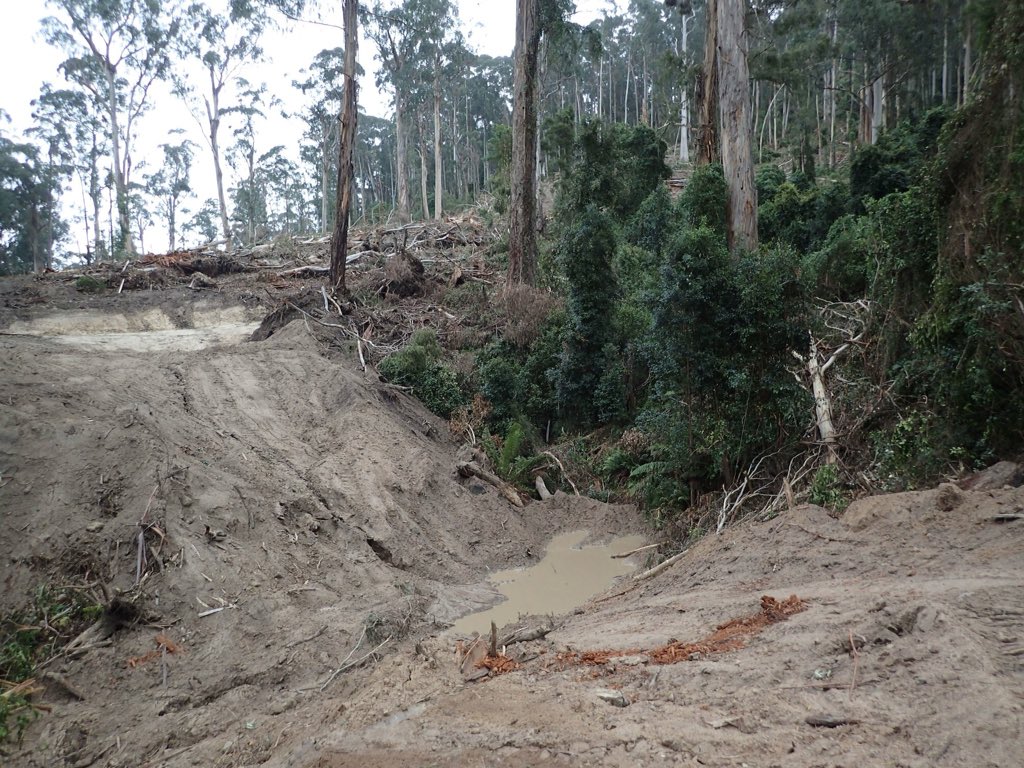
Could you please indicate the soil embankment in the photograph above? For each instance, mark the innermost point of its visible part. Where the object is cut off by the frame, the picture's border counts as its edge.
(306, 542)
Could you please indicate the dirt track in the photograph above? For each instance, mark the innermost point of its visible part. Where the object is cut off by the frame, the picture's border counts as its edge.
(337, 522)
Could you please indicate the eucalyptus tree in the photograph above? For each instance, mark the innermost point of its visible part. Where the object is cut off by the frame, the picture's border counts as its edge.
(250, 195)
(533, 19)
(116, 50)
(169, 183)
(66, 122)
(323, 84)
(395, 42)
(222, 43)
(29, 221)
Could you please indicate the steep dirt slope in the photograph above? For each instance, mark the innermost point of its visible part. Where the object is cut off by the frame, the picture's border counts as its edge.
(317, 507)
(927, 587)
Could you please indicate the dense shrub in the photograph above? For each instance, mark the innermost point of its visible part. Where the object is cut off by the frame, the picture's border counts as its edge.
(721, 334)
(703, 201)
(585, 253)
(614, 167)
(418, 365)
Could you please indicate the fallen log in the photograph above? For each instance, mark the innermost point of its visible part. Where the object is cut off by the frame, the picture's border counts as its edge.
(472, 469)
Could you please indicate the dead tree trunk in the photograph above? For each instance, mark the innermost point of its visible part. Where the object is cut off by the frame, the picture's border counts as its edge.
(347, 140)
(522, 242)
(735, 125)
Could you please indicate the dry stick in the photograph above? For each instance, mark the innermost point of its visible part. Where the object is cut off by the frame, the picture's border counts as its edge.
(639, 549)
(140, 558)
(353, 663)
(856, 658)
(327, 308)
(314, 636)
(564, 473)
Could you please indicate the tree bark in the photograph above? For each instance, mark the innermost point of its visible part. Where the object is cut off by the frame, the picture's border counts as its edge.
(438, 168)
(424, 197)
(213, 114)
(346, 141)
(120, 183)
(522, 252)
(735, 123)
(402, 158)
(707, 139)
(684, 107)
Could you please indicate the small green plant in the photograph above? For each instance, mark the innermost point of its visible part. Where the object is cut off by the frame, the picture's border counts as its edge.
(27, 638)
(827, 489)
(87, 284)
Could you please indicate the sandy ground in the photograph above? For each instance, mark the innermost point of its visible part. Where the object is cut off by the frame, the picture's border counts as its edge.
(320, 510)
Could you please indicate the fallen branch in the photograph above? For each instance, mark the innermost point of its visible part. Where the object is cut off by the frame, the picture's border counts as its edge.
(651, 573)
(314, 636)
(542, 489)
(472, 469)
(564, 473)
(354, 663)
(638, 549)
(526, 635)
(63, 683)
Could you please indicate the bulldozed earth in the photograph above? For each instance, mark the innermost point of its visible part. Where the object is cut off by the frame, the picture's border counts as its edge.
(278, 543)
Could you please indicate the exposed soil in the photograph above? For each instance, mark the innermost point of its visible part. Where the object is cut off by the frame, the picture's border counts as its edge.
(319, 509)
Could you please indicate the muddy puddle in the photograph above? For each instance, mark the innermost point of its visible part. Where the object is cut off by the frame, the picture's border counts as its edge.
(567, 577)
(150, 331)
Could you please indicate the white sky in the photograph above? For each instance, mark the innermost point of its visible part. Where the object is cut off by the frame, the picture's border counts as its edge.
(27, 62)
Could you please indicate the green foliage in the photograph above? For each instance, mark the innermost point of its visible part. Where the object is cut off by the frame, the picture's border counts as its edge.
(28, 208)
(767, 180)
(585, 253)
(418, 365)
(703, 202)
(88, 284)
(827, 489)
(721, 333)
(651, 227)
(800, 217)
(499, 154)
(520, 382)
(614, 167)
(896, 161)
(31, 636)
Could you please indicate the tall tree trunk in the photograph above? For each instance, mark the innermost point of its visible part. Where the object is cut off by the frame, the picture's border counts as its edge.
(96, 195)
(707, 140)
(213, 116)
(945, 60)
(967, 59)
(423, 177)
(684, 107)
(325, 189)
(120, 183)
(522, 251)
(438, 168)
(346, 143)
(172, 209)
(402, 158)
(734, 116)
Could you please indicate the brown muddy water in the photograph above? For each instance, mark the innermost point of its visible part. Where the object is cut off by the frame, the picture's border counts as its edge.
(567, 577)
